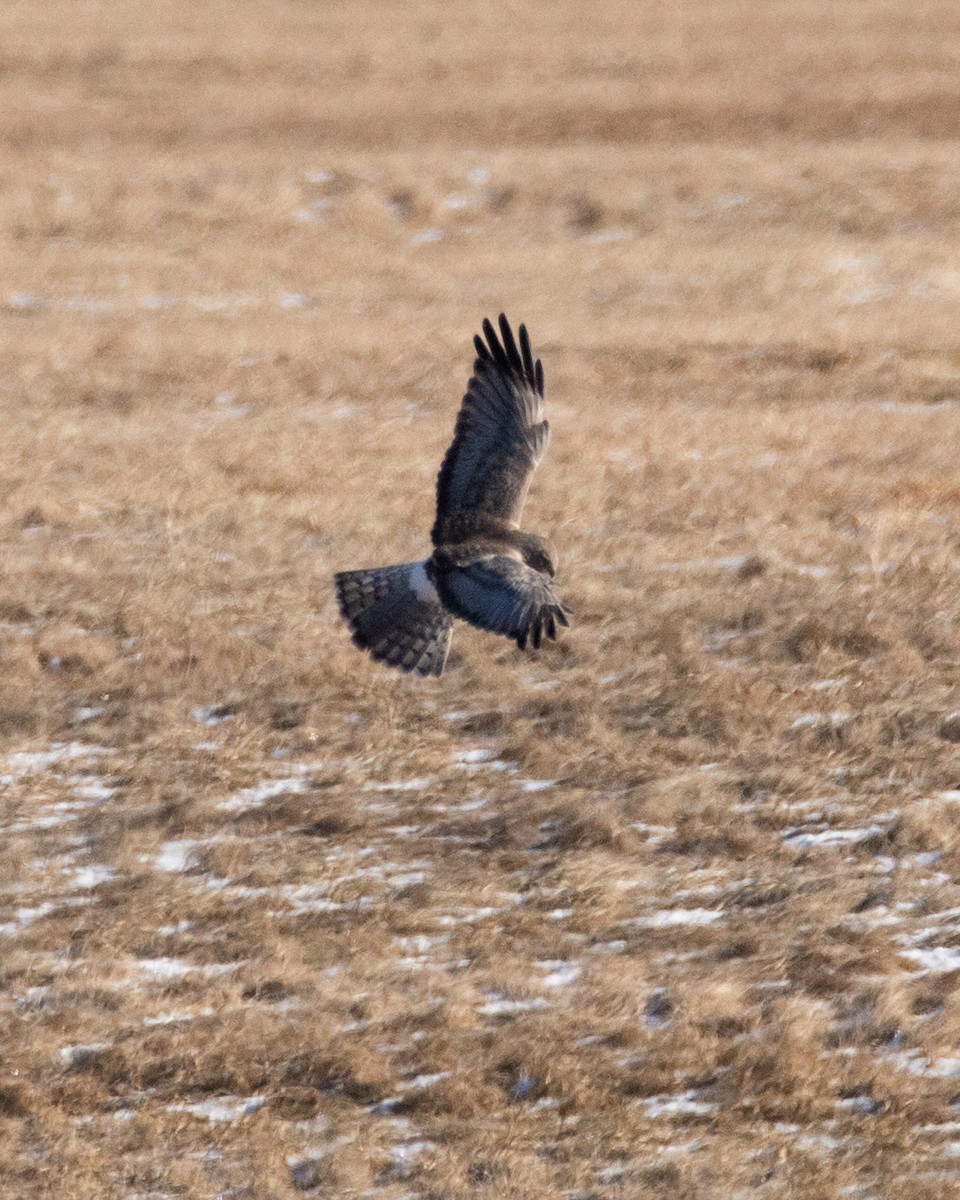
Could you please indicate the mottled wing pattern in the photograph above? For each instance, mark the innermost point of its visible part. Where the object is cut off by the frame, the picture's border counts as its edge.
(391, 614)
(503, 596)
(500, 434)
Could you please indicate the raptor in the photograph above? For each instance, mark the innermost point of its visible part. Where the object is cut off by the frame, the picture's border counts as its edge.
(484, 568)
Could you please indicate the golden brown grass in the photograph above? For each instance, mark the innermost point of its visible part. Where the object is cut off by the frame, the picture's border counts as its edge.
(667, 910)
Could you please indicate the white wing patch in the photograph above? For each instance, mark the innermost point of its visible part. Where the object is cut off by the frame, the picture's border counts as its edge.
(420, 584)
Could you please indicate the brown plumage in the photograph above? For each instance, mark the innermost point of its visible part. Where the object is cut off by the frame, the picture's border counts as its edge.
(484, 568)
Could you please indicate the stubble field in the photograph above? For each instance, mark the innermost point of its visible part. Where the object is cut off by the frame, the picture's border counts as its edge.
(668, 910)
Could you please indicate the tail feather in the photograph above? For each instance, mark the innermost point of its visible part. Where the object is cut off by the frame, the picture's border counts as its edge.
(394, 614)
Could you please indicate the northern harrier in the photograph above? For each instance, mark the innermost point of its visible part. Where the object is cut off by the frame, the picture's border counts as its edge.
(484, 568)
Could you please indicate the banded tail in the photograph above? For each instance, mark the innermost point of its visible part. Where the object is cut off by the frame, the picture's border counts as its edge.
(396, 614)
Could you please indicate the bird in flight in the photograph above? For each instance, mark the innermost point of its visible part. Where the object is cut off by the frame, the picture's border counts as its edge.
(484, 568)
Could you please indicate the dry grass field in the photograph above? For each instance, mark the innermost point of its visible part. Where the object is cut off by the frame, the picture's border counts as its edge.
(669, 910)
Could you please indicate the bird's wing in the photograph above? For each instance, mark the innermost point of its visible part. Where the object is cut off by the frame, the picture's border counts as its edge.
(503, 596)
(500, 434)
(395, 613)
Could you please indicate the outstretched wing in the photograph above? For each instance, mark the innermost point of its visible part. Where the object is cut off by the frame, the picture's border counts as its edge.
(500, 434)
(503, 596)
(395, 613)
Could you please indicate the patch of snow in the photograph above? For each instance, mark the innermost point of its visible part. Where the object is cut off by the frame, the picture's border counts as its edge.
(69, 1055)
(472, 756)
(421, 943)
(91, 876)
(406, 879)
(23, 917)
(214, 714)
(37, 999)
(612, 1173)
(222, 1108)
(176, 855)
(805, 839)
(45, 821)
(32, 762)
(772, 985)
(616, 946)
(169, 930)
(729, 562)
(424, 1081)
(832, 720)
(821, 1143)
(162, 969)
(610, 235)
(559, 972)
(461, 806)
(389, 1105)
(935, 959)
(681, 1147)
(667, 917)
(87, 712)
(862, 1106)
(469, 916)
(654, 834)
(402, 785)
(270, 789)
(173, 1018)
(92, 792)
(682, 1104)
(404, 1152)
(498, 1005)
(307, 898)
(917, 1063)
(481, 758)
(24, 300)
(906, 406)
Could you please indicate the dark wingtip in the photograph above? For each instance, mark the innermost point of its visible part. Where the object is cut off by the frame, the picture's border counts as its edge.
(510, 345)
(496, 352)
(528, 367)
(505, 353)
